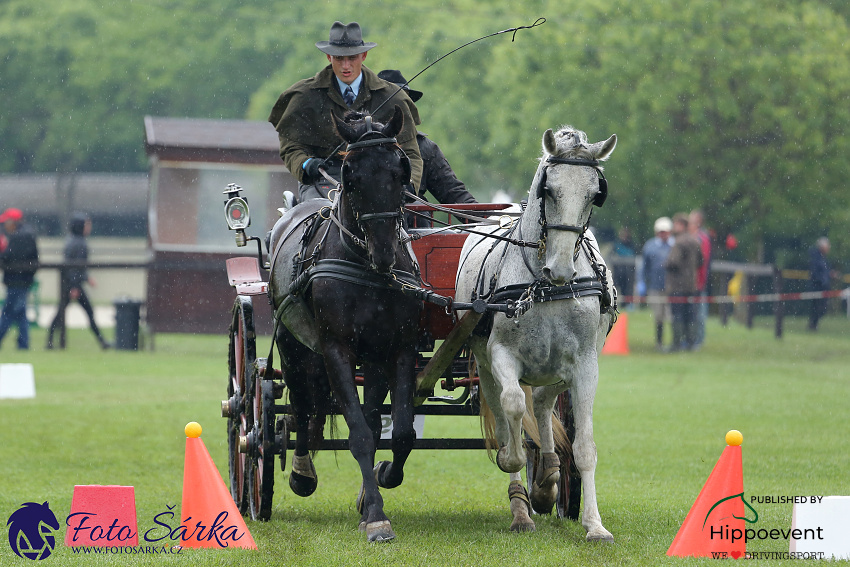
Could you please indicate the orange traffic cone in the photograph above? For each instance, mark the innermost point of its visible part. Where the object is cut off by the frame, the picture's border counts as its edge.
(715, 527)
(209, 516)
(618, 339)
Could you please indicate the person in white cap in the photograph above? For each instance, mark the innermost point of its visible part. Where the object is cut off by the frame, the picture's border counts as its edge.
(652, 276)
(302, 114)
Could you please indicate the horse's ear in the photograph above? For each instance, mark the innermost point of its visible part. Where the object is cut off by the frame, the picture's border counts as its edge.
(549, 145)
(395, 124)
(603, 150)
(345, 131)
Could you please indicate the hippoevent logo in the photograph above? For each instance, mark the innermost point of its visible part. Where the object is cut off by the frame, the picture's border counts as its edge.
(726, 533)
(31, 529)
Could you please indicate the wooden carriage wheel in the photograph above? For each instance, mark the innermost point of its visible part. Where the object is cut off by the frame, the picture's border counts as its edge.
(261, 449)
(241, 358)
(568, 503)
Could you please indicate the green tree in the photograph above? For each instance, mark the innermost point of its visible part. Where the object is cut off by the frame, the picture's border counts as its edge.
(737, 108)
(78, 77)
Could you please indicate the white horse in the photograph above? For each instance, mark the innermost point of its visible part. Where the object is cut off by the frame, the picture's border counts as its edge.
(555, 345)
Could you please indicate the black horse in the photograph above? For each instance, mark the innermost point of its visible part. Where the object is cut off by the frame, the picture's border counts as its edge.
(338, 276)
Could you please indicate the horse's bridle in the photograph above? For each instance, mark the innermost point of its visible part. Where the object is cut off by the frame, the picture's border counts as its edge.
(369, 139)
(598, 200)
(542, 190)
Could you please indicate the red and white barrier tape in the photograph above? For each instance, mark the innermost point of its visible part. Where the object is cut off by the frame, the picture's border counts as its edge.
(765, 297)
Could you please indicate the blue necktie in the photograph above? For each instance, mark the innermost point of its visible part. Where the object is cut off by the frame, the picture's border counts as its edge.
(348, 96)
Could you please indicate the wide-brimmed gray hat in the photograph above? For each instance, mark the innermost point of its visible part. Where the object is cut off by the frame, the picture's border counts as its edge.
(345, 39)
(394, 76)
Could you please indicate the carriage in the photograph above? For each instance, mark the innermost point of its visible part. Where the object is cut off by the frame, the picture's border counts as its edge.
(259, 424)
(366, 225)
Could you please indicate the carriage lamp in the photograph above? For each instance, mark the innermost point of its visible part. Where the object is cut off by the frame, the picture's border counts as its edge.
(236, 213)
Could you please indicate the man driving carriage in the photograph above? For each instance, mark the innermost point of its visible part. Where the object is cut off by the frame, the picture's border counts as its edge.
(302, 118)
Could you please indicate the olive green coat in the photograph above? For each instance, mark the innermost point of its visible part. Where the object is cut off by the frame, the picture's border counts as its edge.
(302, 118)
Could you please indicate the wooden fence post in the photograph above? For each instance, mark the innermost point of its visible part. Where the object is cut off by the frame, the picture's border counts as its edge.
(778, 305)
(725, 308)
(746, 289)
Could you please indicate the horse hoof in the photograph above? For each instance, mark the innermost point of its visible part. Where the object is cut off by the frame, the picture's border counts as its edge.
(381, 473)
(302, 485)
(379, 532)
(507, 467)
(602, 535)
(523, 526)
(542, 498)
(520, 508)
(544, 489)
(543, 503)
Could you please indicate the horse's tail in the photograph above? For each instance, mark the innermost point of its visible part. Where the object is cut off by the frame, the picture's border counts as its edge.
(488, 427)
(487, 421)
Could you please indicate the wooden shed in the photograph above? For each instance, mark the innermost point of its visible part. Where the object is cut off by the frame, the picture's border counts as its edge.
(191, 163)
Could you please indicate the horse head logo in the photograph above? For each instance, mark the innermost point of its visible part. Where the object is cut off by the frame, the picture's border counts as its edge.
(31, 530)
(733, 497)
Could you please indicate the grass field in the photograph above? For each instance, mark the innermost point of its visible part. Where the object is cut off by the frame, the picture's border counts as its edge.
(118, 418)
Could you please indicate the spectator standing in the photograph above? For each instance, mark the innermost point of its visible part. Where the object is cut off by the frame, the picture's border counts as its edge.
(72, 279)
(624, 276)
(695, 221)
(19, 260)
(684, 260)
(819, 276)
(651, 281)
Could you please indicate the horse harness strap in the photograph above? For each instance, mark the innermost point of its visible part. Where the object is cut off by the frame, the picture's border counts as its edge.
(582, 287)
(355, 273)
(350, 272)
(519, 298)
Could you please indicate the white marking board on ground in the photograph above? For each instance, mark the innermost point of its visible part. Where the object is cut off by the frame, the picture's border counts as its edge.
(17, 381)
(829, 524)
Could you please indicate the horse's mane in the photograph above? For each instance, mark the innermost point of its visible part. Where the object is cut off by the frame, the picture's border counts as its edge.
(357, 120)
(572, 143)
(352, 117)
